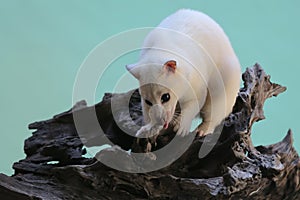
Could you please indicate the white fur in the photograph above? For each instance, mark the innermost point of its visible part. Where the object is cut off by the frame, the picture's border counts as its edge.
(206, 63)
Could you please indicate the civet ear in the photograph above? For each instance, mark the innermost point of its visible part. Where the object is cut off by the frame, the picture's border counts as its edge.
(170, 66)
(134, 70)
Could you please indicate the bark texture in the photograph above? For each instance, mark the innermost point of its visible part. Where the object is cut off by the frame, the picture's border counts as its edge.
(234, 168)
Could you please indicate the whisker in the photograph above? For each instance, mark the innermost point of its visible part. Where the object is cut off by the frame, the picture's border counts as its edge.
(175, 120)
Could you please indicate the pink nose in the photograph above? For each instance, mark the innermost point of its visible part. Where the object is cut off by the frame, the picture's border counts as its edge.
(166, 125)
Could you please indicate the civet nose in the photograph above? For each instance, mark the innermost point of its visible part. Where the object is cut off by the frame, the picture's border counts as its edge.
(156, 114)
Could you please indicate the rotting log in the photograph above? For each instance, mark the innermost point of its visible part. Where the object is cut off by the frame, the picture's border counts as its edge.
(233, 169)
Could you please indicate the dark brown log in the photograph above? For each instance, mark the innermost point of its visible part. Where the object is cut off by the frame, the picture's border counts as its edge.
(233, 169)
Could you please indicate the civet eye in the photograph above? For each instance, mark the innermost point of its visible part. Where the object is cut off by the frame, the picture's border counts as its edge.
(165, 98)
(148, 103)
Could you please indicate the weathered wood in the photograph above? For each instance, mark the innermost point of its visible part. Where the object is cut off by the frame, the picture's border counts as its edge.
(234, 169)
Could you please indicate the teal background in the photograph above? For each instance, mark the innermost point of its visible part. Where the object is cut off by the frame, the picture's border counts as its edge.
(43, 43)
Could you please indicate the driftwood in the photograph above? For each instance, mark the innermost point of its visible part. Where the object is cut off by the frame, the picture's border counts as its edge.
(234, 169)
